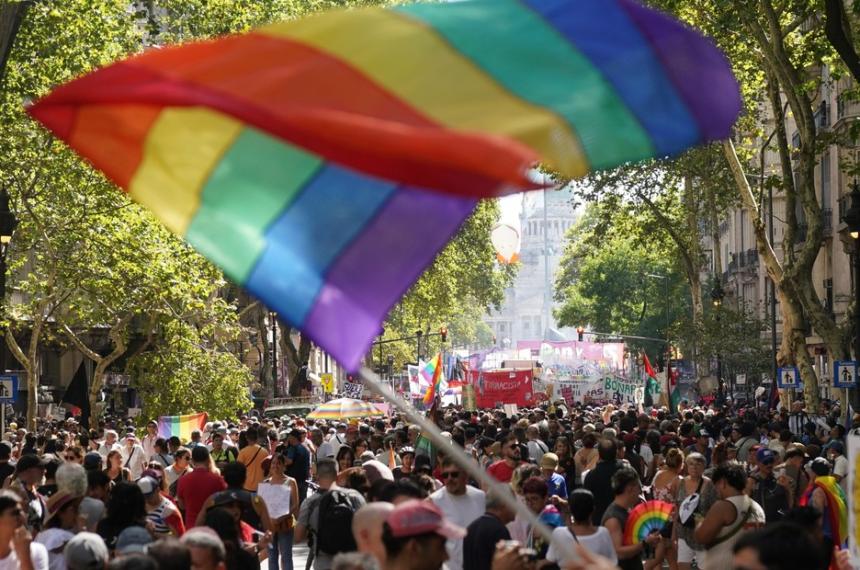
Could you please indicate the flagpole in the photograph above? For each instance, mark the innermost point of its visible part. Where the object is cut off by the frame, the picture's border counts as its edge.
(459, 456)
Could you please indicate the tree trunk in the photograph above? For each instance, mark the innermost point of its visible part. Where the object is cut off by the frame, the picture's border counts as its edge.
(31, 376)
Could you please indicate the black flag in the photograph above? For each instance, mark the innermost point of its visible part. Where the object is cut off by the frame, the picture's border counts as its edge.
(77, 394)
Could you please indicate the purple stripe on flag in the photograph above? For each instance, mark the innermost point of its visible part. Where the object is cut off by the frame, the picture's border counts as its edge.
(374, 271)
(698, 70)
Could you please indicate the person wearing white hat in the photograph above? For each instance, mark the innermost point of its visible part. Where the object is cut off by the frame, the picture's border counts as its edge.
(133, 457)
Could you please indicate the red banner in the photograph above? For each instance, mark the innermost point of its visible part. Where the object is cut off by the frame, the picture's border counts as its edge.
(497, 387)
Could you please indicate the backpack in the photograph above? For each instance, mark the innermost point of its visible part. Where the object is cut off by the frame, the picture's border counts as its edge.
(335, 516)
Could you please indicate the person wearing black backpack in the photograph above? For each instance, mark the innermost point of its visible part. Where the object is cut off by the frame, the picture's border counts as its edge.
(325, 519)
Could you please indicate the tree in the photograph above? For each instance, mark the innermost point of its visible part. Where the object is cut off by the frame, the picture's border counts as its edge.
(772, 52)
(50, 188)
(604, 279)
(188, 371)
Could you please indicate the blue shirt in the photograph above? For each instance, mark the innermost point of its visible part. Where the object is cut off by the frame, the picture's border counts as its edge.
(557, 486)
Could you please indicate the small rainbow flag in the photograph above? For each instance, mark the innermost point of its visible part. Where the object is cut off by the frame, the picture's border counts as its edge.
(432, 371)
(181, 426)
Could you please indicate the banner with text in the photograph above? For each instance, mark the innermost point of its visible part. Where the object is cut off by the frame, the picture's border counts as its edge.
(597, 390)
(498, 387)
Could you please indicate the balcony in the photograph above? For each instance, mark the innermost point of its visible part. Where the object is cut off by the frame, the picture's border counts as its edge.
(752, 257)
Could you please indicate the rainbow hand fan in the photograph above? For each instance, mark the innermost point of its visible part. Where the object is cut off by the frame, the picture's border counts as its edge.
(646, 518)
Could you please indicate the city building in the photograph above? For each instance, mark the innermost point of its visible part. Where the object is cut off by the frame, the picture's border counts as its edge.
(527, 311)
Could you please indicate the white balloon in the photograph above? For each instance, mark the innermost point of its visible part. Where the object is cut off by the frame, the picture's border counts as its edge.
(506, 240)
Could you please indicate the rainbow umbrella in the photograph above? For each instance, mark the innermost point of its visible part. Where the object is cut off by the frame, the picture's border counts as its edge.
(344, 408)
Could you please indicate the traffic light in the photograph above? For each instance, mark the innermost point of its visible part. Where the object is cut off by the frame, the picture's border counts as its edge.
(580, 331)
(443, 332)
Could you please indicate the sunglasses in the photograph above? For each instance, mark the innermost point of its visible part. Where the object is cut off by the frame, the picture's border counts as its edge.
(450, 474)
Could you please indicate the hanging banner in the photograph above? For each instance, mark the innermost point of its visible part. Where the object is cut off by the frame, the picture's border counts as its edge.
(327, 382)
(601, 390)
(499, 387)
(351, 390)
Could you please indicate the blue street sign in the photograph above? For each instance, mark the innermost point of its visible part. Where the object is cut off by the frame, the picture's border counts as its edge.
(788, 378)
(845, 374)
(8, 389)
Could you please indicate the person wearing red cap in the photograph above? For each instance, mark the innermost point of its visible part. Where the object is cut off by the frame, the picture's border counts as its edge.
(414, 536)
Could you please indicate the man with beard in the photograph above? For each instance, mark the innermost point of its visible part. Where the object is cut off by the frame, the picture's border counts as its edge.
(503, 469)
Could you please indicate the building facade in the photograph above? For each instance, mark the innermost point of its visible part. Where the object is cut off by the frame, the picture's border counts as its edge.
(743, 277)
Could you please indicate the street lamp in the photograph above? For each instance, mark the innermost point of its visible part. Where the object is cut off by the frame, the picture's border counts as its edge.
(7, 227)
(580, 331)
(851, 218)
(717, 296)
(418, 335)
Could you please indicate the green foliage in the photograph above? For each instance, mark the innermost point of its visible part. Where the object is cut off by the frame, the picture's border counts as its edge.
(737, 335)
(186, 372)
(604, 285)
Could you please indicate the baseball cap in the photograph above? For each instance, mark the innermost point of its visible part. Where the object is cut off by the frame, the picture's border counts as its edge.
(414, 518)
(86, 551)
(92, 460)
(549, 461)
(765, 456)
(226, 498)
(147, 485)
(133, 539)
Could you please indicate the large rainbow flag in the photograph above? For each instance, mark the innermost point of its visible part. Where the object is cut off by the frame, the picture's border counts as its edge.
(298, 157)
(181, 426)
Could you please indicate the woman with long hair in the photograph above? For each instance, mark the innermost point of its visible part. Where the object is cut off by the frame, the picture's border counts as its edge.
(115, 471)
(16, 549)
(586, 458)
(566, 463)
(60, 527)
(281, 549)
(345, 458)
(126, 507)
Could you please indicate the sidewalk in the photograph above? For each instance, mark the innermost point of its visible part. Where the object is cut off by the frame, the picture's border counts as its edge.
(300, 557)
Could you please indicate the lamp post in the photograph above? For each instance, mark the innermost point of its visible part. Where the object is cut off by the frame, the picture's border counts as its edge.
(418, 335)
(717, 296)
(851, 218)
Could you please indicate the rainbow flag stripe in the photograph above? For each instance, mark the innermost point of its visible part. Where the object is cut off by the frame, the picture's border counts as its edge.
(433, 372)
(181, 426)
(297, 156)
(836, 514)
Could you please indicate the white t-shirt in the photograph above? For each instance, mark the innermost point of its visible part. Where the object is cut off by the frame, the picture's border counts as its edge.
(840, 467)
(38, 554)
(461, 510)
(562, 549)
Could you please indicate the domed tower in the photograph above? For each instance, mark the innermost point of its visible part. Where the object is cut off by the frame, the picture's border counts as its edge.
(527, 310)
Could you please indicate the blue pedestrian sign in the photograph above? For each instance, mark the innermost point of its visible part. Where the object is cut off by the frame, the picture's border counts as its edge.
(845, 374)
(788, 378)
(8, 389)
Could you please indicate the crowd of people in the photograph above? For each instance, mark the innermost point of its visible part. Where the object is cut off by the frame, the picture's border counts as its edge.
(750, 489)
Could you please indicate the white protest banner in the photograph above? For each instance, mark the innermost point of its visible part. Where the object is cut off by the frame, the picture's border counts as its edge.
(276, 497)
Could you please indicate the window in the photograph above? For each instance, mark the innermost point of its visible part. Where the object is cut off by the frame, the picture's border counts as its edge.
(825, 179)
(526, 325)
